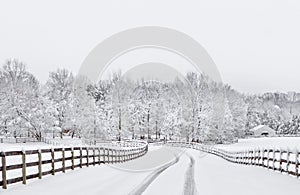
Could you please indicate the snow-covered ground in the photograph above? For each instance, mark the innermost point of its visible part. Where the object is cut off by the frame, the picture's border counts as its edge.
(291, 143)
(104, 179)
(215, 176)
(57, 142)
(25, 146)
(15, 160)
(193, 171)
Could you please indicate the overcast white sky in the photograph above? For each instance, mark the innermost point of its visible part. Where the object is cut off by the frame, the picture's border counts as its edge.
(255, 43)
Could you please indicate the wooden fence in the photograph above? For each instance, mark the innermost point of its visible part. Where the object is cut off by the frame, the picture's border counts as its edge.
(62, 159)
(284, 161)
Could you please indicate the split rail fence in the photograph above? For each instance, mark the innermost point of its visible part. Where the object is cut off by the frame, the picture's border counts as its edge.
(38, 163)
(284, 161)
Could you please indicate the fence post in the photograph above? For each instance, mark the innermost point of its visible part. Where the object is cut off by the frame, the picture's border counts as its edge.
(24, 167)
(108, 156)
(103, 152)
(129, 154)
(112, 155)
(297, 163)
(123, 154)
(118, 156)
(105, 155)
(72, 158)
(87, 156)
(80, 157)
(52, 161)
(125, 157)
(254, 156)
(4, 184)
(40, 163)
(274, 159)
(268, 158)
(133, 153)
(99, 156)
(287, 160)
(94, 162)
(249, 157)
(63, 160)
(263, 157)
(280, 161)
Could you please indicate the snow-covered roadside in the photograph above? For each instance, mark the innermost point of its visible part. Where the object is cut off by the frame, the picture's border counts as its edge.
(215, 176)
(94, 180)
(17, 159)
(97, 180)
(291, 143)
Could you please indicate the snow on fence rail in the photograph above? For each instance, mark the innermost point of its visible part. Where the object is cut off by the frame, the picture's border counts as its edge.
(38, 163)
(132, 143)
(62, 142)
(284, 161)
(17, 139)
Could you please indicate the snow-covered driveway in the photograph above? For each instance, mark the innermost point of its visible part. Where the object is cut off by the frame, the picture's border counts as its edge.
(164, 171)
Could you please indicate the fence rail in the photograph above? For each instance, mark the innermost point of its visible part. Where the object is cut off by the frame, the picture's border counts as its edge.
(17, 139)
(284, 161)
(58, 158)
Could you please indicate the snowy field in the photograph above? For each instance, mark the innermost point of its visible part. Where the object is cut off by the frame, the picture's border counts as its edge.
(58, 143)
(23, 146)
(187, 172)
(291, 143)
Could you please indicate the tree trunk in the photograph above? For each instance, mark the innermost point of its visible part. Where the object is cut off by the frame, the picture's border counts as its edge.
(133, 136)
(156, 132)
(120, 125)
(148, 121)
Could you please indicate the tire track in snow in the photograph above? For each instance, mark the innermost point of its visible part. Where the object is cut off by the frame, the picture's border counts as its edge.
(189, 185)
(145, 184)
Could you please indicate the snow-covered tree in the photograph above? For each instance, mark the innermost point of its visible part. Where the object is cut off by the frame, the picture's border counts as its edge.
(82, 114)
(60, 86)
(21, 102)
